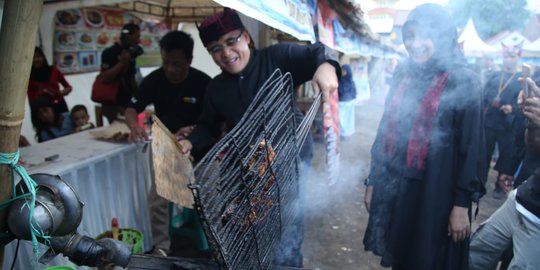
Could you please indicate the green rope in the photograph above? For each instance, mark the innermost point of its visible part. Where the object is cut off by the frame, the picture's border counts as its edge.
(13, 198)
(12, 160)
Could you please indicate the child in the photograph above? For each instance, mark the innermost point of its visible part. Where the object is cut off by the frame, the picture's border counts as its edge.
(47, 122)
(80, 118)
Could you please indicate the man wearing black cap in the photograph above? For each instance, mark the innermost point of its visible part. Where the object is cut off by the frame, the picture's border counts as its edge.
(118, 63)
(244, 71)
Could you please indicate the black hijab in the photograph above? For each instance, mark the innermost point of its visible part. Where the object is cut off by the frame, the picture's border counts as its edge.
(436, 23)
(43, 73)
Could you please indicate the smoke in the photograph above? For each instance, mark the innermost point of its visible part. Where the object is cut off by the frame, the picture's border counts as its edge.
(319, 196)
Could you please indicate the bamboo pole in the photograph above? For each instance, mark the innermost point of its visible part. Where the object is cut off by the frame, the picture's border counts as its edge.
(17, 40)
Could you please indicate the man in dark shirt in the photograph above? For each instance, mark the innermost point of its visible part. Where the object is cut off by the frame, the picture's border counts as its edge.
(118, 63)
(177, 90)
(517, 221)
(244, 71)
(525, 159)
(502, 115)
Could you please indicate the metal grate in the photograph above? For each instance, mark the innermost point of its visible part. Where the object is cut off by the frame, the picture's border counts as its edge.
(247, 184)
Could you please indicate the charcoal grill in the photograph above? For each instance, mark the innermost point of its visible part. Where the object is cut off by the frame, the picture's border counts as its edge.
(247, 184)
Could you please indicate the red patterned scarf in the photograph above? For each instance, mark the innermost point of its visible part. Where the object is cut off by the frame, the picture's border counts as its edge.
(418, 144)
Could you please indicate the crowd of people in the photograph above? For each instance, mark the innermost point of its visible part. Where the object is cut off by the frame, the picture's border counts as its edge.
(431, 156)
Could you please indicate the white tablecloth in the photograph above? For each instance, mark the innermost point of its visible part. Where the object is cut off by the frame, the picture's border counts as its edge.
(111, 179)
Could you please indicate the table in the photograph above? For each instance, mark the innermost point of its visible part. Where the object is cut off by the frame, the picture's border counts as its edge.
(111, 179)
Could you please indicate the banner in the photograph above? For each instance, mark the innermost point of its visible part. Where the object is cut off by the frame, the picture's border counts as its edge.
(325, 26)
(332, 136)
(345, 41)
(289, 16)
(361, 80)
(82, 34)
(308, 20)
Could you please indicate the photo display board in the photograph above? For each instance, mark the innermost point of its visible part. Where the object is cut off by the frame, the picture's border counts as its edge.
(81, 35)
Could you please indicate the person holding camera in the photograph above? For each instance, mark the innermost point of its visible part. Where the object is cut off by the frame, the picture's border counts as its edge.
(118, 63)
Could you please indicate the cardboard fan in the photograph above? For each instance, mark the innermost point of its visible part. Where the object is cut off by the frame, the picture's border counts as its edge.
(172, 169)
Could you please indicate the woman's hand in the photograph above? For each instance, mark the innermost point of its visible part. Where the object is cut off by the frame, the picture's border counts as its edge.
(459, 226)
(367, 197)
(66, 91)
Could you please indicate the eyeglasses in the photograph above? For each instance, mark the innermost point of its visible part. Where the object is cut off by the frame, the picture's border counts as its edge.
(228, 43)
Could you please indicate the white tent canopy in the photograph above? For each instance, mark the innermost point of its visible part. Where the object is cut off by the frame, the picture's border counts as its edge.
(532, 47)
(472, 44)
(529, 49)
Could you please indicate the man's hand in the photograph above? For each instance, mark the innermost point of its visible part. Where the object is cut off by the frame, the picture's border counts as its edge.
(521, 100)
(506, 182)
(183, 132)
(531, 110)
(325, 80)
(186, 146)
(459, 226)
(367, 197)
(506, 109)
(534, 90)
(530, 104)
(137, 134)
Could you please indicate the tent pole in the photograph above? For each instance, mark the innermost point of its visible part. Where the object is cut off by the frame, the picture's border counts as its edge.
(17, 40)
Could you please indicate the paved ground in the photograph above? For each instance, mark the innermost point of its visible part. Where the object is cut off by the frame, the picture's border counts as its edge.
(336, 217)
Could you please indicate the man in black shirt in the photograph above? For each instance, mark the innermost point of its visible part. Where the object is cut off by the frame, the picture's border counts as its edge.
(177, 90)
(118, 63)
(525, 159)
(244, 71)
